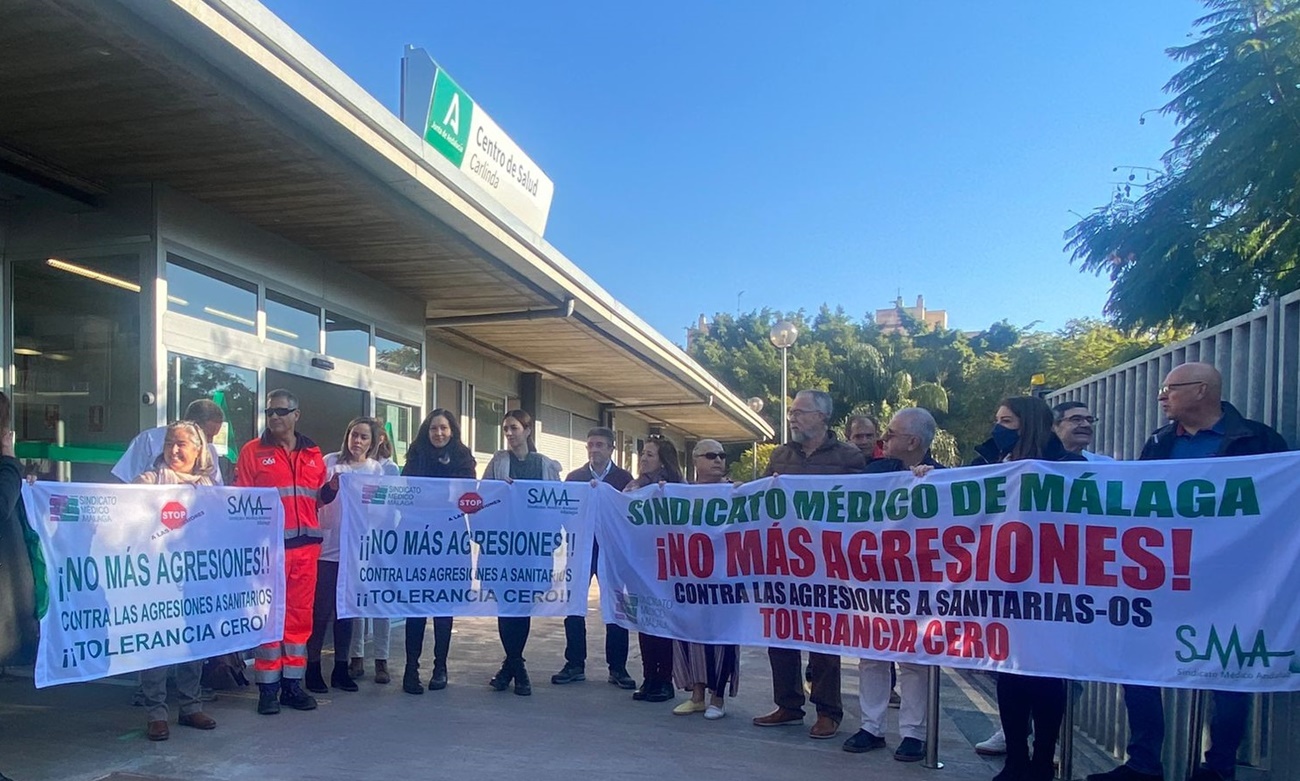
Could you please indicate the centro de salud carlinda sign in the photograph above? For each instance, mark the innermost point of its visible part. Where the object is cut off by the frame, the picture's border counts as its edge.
(445, 116)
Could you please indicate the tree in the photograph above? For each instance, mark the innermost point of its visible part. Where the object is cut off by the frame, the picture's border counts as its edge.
(1217, 232)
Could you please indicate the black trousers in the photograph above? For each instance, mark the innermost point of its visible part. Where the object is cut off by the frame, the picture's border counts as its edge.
(514, 636)
(575, 643)
(656, 658)
(415, 640)
(324, 611)
(1023, 699)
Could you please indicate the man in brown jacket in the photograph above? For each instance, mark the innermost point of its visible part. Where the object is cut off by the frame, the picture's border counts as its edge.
(813, 449)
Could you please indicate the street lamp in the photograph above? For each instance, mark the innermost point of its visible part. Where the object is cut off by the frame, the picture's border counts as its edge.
(783, 335)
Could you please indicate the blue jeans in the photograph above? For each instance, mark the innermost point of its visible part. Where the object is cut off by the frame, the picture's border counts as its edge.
(1146, 724)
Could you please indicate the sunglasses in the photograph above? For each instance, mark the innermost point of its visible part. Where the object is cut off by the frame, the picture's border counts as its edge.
(714, 456)
(279, 412)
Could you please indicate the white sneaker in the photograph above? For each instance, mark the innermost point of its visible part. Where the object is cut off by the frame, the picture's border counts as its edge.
(994, 746)
(714, 712)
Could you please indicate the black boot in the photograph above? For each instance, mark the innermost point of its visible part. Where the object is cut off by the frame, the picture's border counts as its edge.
(291, 694)
(268, 698)
(501, 681)
(315, 682)
(1016, 767)
(340, 679)
(439, 678)
(411, 680)
(523, 686)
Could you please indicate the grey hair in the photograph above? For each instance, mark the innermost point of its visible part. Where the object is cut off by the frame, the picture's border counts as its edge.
(706, 446)
(281, 393)
(821, 400)
(918, 422)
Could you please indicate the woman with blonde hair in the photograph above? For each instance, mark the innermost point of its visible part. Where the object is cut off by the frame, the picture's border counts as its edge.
(185, 460)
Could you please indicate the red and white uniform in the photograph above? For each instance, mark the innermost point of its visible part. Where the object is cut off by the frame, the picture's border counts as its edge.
(298, 476)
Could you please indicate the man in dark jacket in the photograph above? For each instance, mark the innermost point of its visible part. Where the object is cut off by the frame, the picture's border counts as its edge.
(600, 467)
(1201, 425)
(812, 450)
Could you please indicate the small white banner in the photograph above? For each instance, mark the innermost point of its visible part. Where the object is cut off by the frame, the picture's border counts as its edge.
(144, 576)
(417, 546)
(1169, 573)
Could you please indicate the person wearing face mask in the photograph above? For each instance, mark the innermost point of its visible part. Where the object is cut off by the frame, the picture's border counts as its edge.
(436, 451)
(356, 456)
(519, 461)
(1022, 430)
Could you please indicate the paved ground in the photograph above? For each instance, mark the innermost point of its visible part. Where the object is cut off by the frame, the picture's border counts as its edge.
(90, 731)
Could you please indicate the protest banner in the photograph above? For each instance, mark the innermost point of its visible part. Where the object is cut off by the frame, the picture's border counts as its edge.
(141, 576)
(422, 546)
(1177, 574)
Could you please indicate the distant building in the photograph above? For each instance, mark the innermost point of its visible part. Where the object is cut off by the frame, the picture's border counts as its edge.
(891, 320)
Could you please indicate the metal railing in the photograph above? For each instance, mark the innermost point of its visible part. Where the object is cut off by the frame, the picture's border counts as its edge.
(1259, 356)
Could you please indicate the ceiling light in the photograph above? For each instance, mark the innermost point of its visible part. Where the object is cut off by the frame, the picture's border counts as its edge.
(82, 271)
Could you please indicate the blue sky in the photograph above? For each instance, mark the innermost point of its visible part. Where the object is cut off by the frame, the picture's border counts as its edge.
(821, 152)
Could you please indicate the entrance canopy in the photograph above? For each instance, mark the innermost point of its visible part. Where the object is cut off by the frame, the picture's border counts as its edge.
(220, 100)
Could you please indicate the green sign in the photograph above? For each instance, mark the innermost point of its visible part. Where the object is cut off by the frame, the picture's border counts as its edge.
(450, 114)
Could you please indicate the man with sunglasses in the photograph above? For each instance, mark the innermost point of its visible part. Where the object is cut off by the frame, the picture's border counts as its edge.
(1072, 423)
(907, 442)
(1201, 425)
(284, 459)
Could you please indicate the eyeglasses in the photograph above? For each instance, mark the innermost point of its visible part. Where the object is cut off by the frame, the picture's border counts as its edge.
(279, 412)
(713, 456)
(794, 413)
(1077, 419)
(1168, 386)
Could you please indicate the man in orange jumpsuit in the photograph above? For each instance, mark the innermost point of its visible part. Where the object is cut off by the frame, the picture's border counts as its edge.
(283, 459)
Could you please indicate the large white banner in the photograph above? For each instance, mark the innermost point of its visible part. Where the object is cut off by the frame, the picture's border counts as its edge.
(143, 576)
(1172, 573)
(417, 546)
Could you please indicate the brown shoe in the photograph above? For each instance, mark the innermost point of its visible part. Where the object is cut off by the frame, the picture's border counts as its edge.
(381, 671)
(197, 720)
(824, 728)
(781, 717)
(157, 730)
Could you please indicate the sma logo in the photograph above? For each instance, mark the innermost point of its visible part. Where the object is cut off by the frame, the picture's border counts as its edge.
(247, 506)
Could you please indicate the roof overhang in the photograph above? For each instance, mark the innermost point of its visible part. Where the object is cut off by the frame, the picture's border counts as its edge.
(221, 100)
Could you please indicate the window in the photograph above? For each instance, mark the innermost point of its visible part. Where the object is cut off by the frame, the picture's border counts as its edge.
(76, 390)
(447, 395)
(489, 411)
(400, 424)
(291, 321)
(208, 294)
(397, 355)
(233, 388)
(346, 338)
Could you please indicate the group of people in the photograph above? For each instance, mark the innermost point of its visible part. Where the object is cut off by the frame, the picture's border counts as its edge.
(1031, 708)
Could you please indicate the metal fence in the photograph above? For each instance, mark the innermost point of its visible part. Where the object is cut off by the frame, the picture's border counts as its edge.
(1259, 356)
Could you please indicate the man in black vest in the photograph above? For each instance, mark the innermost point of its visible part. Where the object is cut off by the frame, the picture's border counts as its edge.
(600, 467)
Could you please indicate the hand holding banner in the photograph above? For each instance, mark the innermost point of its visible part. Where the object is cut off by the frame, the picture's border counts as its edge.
(145, 576)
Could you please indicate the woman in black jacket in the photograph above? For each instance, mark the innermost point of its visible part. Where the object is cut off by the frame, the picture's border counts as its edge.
(436, 451)
(657, 463)
(1022, 429)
